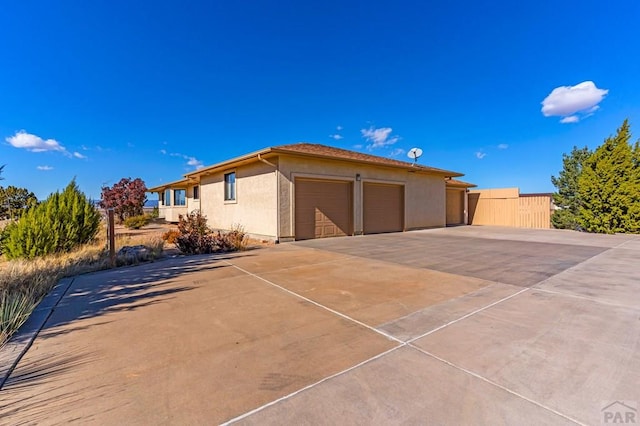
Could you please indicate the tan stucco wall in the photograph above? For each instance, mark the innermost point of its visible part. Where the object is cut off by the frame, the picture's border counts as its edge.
(255, 207)
(171, 213)
(424, 194)
(425, 200)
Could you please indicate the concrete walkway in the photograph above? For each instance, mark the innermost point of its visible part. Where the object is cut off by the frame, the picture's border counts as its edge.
(469, 325)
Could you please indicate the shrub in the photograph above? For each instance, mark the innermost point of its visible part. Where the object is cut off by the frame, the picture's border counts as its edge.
(58, 225)
(236, 239)
(170, 236)
(195, 237)
(136, 222)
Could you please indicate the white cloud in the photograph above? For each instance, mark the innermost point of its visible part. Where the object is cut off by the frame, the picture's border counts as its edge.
(336, 137)
(570, 119)
(503, 146)
(191, 161)
(78, 155)
(34, 143)
(163, 151)
(194, 162)
(44, 168)
(339, 128)
(379, 138)
(567, 101)
(358, 146)
(396, 152)
(480, 155)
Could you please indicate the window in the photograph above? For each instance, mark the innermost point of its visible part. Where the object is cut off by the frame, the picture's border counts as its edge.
(196, 192)
(166, 198)
(230, 186)
(179, 197)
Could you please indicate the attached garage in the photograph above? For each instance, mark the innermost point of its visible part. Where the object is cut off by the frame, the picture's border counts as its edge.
(455, 207)
(456, 203)
(305, 191)
(383, 208)
(323, 208)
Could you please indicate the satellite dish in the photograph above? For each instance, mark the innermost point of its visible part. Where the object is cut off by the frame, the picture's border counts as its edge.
(414, 153)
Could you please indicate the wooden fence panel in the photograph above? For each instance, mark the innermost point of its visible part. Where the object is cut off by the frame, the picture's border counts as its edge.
(534, 212)
(505, 207)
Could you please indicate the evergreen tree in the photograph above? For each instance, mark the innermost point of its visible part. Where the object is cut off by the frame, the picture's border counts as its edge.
(567, 199)
(59, 224)
(15, 201)
(609, 186)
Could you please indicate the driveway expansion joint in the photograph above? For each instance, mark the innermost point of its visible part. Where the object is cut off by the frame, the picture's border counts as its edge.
(491, 382)
(313, 302)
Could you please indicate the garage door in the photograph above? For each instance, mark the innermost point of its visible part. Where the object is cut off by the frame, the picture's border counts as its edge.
(455, 207)
(323, 208)
(383, 208)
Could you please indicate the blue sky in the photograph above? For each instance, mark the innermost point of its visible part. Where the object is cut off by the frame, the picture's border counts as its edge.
(102, 90)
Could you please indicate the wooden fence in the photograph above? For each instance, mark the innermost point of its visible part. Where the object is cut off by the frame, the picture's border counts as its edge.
(507, 207)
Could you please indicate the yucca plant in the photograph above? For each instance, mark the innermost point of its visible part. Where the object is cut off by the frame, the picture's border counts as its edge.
(15, 308)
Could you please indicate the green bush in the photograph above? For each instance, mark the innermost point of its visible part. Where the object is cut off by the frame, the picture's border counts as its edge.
(136, 222)
(58, 225)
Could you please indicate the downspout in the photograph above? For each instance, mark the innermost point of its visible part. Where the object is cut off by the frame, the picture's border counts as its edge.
(466, 206)
(277, 174)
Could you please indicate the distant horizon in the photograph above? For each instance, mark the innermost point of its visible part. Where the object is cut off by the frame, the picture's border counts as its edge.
(499, 91)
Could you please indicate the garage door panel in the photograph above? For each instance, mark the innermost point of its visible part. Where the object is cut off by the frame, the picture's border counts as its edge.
(383, 208)
(323, 208)
(455, 207)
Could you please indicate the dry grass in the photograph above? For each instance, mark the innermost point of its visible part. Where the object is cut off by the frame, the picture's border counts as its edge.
(23, 283)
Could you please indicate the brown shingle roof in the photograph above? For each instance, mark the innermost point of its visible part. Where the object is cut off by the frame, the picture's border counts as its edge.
(318, 150)
(322, 151)
(460, 184)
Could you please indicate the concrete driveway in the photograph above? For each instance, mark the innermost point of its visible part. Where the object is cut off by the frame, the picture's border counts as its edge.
(468, 325)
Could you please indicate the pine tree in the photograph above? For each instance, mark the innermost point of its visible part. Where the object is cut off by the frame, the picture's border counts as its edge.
(609, 186)
(567, 199)
(15, 201)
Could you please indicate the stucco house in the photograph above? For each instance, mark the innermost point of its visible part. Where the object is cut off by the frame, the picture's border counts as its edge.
(303, 191)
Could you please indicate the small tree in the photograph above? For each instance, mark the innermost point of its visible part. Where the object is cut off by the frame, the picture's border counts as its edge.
(59, 224)
(609, 186)
(567, 197)
(15, 201)
(126, 198)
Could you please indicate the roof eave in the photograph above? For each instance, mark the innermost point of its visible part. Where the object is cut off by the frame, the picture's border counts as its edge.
(408, 167)
(182, 183)
(234, 162)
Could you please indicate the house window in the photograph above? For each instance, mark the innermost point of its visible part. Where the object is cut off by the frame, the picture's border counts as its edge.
(230, 186)
(179, 197)
(196, 192)
(166, 198)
